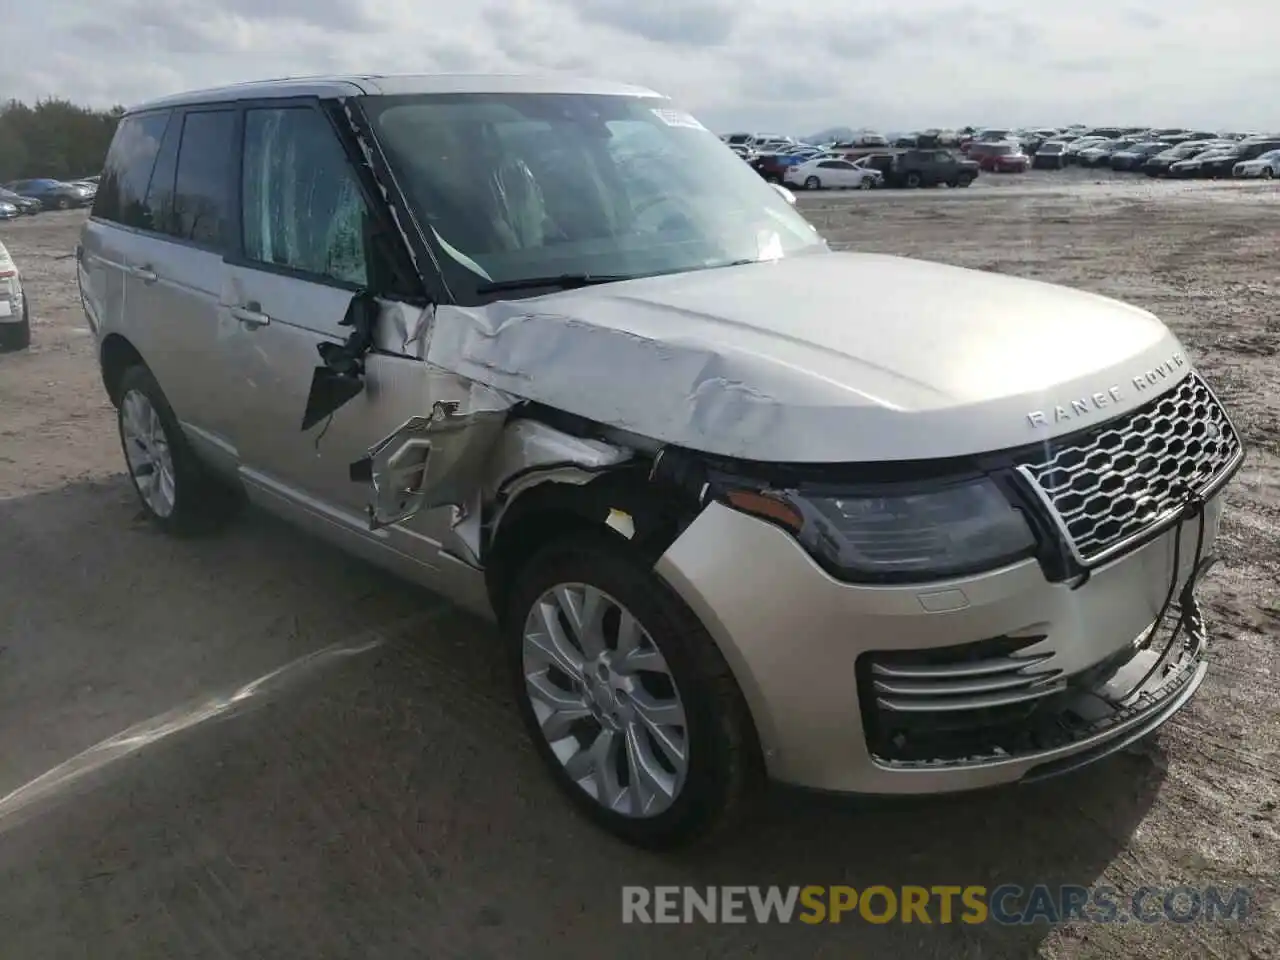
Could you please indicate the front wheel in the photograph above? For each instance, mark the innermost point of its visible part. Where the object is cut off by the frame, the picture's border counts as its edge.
(627, 698)
(913, 180)
(964, 180)
(1267, 173)
(866, 183)
(812, 183)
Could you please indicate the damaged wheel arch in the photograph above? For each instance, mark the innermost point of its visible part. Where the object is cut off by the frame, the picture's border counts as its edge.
(620, 504)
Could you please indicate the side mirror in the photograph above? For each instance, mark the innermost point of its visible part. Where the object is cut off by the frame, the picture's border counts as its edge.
(786, 194)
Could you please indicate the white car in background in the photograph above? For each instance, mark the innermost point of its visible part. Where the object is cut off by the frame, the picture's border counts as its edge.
(833, 172)
(15, 322)
(1266, 166)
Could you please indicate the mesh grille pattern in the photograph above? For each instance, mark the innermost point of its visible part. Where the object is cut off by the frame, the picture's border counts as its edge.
(1115, 481)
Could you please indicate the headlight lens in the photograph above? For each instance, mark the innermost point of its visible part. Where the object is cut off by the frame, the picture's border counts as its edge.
(900, 532)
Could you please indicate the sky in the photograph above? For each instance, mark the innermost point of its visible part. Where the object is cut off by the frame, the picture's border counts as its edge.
(737, 64)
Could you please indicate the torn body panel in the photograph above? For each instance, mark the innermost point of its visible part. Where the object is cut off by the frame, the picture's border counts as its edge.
(435, 460)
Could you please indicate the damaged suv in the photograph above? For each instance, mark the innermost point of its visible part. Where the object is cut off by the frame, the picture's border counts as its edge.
(743, 507)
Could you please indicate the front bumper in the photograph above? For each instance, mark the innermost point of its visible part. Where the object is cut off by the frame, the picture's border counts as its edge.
(802, 646)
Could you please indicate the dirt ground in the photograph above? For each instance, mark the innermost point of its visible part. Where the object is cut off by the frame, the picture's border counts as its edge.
(375, 798)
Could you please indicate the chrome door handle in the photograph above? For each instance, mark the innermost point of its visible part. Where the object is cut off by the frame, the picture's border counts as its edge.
(251, 316)
(145, 274)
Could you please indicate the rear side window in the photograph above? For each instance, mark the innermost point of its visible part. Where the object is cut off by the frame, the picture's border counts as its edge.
(127, 170)
(303, 208)
(203, 187)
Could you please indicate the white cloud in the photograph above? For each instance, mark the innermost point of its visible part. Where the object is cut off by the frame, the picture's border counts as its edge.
(736, 63)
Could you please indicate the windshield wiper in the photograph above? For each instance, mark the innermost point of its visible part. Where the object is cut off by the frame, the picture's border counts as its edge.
(565, 281)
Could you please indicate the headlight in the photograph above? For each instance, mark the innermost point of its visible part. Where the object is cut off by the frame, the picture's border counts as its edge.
(899, 532)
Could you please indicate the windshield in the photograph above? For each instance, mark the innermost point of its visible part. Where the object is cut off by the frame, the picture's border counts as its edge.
(519, 186)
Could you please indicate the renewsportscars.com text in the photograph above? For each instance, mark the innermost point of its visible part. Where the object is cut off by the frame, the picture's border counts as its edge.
(1008, 904)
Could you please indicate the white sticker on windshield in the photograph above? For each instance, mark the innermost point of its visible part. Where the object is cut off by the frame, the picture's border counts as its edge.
(677, 118)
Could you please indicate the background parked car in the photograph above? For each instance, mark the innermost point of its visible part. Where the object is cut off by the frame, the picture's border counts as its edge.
(1005, 157)
(1050, 155)
(1072, 153)
(26, 205)
(1158, 165)
(1265, 166)
(1099, 155)
(1193, 166)
(15, 308)
(8, 211)
(54, 194)
(820, 173)
(1223, 166)
(1132, 158)
(929, 168)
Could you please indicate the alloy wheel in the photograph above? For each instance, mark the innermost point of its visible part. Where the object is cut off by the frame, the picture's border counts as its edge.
(148, 453)
(605, 700)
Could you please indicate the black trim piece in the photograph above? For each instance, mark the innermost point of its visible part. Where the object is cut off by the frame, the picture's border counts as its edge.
(393, 200)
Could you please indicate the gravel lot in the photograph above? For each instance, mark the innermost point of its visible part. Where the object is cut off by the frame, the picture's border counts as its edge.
(377, 799)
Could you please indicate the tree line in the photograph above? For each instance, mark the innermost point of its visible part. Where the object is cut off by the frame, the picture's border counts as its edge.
(54, 138)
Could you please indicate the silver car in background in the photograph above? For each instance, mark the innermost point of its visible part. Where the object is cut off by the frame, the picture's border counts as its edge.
(742, 507)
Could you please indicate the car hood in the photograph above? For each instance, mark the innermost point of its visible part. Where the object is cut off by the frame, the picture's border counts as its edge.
(829, 357)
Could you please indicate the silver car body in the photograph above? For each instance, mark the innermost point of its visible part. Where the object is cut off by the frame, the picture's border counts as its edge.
(834, 358)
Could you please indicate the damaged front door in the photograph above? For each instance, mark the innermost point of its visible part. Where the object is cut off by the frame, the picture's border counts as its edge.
(310, 278)
(432, 461)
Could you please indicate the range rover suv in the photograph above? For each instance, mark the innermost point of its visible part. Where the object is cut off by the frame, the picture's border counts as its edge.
(742, 507)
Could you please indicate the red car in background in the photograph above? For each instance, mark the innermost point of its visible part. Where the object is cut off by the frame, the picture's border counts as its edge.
(1005, 157)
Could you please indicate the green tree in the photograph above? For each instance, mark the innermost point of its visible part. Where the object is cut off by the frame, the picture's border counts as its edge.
(55, 138)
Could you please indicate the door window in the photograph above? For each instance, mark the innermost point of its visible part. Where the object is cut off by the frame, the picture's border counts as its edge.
(127, 170)
(302, 206)
(202, 191)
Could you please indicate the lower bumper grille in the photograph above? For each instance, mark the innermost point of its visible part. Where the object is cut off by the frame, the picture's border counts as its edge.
(1057, 711)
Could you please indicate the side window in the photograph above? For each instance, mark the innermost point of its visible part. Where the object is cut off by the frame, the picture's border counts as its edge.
(202, 190)
(127, 169)
(158, 205)
(302, 206)
(843, 165)
(828, 165)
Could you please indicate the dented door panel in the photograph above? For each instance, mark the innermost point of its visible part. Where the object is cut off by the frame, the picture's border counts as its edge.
(273, 364)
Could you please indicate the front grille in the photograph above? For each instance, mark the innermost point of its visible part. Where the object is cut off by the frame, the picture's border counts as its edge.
(1110, 485)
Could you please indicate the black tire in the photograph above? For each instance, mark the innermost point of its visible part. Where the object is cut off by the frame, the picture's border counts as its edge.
(913, 179)
(964, 179)
(17, 336)
(201, 504)
(62, 203)
(1267, 173)
(812, 183)
(726, 771)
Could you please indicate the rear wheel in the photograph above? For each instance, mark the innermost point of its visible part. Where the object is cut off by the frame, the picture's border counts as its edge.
(626, 697)
(177, 493)
(812, 183)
